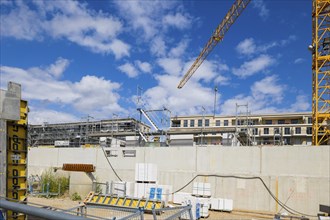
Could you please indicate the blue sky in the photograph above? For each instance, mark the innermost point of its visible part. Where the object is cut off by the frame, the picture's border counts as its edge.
(75, 59)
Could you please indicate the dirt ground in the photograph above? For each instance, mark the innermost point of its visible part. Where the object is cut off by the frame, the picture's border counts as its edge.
(66, 203)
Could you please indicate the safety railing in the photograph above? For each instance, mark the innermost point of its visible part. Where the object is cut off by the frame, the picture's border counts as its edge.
(171, 213)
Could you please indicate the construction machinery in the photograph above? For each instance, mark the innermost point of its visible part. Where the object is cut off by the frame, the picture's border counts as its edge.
(321, 72)
(234, 12)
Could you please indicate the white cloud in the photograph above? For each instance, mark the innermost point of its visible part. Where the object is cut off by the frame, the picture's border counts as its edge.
(143, 66)
(187, 100)
(302, 103)
(40, 116)
(261, 6)
(158, 47)
(177, 20)
(91, 95)
(269, 89)
(254, 66)
(246, 47)
(299, 60)
(129, 70)
(266, 96)
(171, 66)
(179, 50)
(152, 18)
(249, 47)
(70, 20)
(58, 67)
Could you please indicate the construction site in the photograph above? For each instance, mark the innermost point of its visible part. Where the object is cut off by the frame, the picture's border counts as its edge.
(162, 166)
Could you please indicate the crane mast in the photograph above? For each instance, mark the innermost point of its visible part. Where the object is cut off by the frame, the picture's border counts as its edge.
(230, 18)
(321, 72)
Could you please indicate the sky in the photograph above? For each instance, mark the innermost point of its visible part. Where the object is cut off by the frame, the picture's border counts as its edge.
(104, 59)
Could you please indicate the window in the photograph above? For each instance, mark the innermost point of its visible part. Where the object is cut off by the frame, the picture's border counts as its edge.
(217, 123)
(266, 130)
(276, 130)
(225, 122)
(268, 122)
(185, 123)
(207, 122)
(294, 121)
(255, 131)
(281, 121)
(298, 130)
(129, 153)
(309, 130)
(200, 122)
(192, 123)
(176, 123)
(286, 130)
(111, 153)
(309, 120)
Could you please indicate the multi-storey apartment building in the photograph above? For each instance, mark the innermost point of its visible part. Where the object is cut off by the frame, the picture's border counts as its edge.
(263, 129)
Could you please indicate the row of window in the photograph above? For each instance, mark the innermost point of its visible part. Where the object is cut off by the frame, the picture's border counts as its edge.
(293, 121)
(286, 130)
(200, 123)
(191, 123)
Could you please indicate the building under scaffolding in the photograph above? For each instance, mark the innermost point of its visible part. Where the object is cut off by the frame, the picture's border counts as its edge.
(85, 133)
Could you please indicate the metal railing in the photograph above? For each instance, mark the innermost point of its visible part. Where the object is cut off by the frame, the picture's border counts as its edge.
(171, 213)
(97, 212)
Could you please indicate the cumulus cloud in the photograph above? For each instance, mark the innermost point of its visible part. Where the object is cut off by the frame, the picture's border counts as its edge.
(143, 66)
(268, 88)
(151, 18)
(187, 100)
(246, 46)
(91, 95)
(40, 116)
(263, 97)
(58, 67)
(249, 47)
(302, 103)
(158, 47)
(129, 70)
(70, 20)
(177, 20)
(254, 66)
(261, 6)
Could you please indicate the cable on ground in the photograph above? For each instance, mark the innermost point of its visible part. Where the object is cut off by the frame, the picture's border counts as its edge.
(284, 206)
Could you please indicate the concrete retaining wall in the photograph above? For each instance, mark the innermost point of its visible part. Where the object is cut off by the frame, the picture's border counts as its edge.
(299, 175)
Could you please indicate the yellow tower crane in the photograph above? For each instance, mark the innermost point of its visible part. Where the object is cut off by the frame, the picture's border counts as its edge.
(230, 18)
(321, 72)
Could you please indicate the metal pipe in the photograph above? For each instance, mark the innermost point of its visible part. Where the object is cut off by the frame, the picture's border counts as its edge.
(38, 212)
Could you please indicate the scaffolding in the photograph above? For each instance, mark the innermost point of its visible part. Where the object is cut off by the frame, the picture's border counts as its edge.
(86, 133)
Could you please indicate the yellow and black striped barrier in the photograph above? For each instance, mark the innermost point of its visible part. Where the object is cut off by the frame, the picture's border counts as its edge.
(127, 202)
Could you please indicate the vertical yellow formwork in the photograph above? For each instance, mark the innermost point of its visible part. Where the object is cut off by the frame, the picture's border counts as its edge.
(321, 72)
(17, 160)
